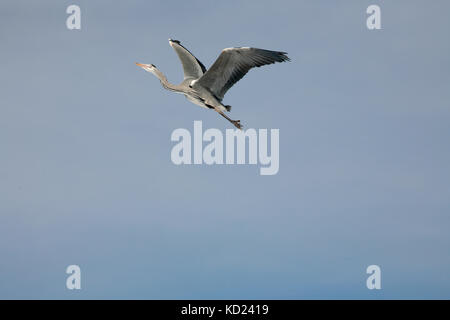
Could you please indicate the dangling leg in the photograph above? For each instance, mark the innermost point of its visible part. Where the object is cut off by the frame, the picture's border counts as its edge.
(236, 123)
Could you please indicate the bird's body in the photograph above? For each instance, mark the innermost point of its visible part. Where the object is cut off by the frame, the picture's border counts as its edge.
(207, 88)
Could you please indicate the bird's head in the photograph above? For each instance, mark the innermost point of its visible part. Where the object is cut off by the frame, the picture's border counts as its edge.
(147, 67)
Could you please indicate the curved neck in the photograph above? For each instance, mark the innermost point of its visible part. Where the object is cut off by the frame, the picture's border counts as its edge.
(166, 84)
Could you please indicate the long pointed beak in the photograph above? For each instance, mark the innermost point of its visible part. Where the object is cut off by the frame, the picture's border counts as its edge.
(140, 65)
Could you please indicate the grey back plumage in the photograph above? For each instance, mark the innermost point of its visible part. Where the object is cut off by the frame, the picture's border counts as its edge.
(234, 63)
(192, 67)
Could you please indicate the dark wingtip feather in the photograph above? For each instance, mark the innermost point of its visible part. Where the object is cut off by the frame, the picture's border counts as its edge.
(283, 56)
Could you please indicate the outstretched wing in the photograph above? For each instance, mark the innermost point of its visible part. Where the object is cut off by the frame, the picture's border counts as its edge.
(192, 67)
(234, 63)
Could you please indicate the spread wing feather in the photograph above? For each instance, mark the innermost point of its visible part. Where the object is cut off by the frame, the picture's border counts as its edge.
(192, 67)
(234, 63)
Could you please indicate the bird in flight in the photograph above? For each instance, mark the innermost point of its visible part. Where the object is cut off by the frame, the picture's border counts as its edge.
(207, 88)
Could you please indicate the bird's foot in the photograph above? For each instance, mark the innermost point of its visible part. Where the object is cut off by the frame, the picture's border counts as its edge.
(237, 124)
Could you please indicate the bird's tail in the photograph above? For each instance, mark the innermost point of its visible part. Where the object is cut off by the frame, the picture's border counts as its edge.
(228, 108)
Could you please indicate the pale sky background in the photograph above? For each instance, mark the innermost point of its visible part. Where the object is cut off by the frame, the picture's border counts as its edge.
(86, 176)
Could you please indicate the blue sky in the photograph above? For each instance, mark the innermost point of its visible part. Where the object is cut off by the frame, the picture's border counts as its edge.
(86, 176)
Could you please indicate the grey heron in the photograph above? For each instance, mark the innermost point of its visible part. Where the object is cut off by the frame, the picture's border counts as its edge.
(207, 88)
